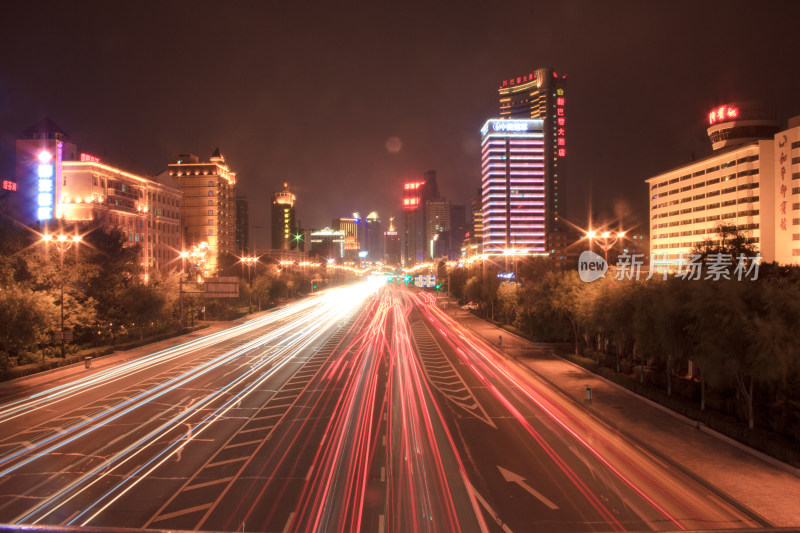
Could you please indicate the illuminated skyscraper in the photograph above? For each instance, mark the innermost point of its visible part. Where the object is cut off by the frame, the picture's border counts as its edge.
(373, 240)
(437, 231)
(541, 95)
(350, 228)
(283, 219)
(392, 245)
(513, 186)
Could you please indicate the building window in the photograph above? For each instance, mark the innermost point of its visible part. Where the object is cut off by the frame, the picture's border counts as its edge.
(211, 202)
(210, 211)
(210, 231)
(210, 183)
(211, 193)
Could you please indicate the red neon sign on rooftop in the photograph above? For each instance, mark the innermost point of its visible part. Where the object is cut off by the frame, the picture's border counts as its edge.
(722, 114)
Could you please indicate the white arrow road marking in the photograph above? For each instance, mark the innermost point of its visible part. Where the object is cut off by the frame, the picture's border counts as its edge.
(511, 477)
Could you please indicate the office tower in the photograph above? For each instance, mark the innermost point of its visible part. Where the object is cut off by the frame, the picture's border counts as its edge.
(750, 181)
(392, 255)
(282, 219)
(458, 230)
(513, 186)
(242, 225)
(416, 195)
(208, 211)
(349, 225)
(373, 240)
(541, 95)
(328, 244)
(437, 230)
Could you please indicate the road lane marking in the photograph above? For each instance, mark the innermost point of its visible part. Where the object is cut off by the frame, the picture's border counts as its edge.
(207, 483)
(220, 463)
(511, 477)
(183, 512)
(288, 525)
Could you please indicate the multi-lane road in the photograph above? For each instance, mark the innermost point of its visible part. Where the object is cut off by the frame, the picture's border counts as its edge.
(363, 408)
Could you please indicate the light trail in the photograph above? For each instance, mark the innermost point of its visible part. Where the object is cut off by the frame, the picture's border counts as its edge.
(25, 406)
(295, 336)
(481, 359)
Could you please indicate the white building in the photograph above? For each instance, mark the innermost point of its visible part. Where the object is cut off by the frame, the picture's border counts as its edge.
(752, 181)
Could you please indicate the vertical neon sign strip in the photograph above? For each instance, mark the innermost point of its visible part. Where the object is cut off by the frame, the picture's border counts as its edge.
(59, 179)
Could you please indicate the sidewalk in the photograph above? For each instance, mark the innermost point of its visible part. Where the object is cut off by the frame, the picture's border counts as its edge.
(764, 485)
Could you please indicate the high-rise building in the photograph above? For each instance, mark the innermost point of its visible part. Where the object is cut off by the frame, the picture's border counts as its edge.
(458, 230)
(208, 212)
(348, 225)
(513, 186)
(328, 244)
(392, 255)
(283, 219)
(416, 195)
(437, 231)
(242, 225)
(373, 240)
(751, 181)
(473, 244)
(541, 95)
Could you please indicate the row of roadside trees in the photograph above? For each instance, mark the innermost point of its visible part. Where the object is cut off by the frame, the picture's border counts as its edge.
(730, 345)
(108, 296)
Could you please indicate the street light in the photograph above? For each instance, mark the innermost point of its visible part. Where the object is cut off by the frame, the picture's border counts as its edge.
(606, 236)
(62, 243)
(183, 255)
(250, 261)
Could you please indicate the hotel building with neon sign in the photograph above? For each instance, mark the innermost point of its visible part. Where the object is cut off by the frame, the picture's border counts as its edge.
(751, 181)
(58, 185)
(513, 186)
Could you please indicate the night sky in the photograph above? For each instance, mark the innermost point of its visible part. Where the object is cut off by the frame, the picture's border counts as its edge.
(310, 93)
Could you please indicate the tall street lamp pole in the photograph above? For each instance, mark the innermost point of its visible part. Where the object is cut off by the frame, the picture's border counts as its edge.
(184, 254)
(62, 243)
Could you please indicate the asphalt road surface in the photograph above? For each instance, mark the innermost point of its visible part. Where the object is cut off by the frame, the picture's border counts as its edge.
(364, 408)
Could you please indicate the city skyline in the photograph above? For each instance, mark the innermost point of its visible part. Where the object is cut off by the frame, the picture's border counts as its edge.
(386, 113)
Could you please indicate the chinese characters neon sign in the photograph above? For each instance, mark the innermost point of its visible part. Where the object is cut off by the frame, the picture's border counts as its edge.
(89, 158)
(722, 113)
(561, 121)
